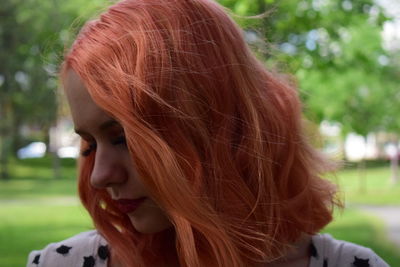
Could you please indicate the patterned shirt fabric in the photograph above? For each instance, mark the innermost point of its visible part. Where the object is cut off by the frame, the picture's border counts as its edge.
(328, 252)
(89, 249)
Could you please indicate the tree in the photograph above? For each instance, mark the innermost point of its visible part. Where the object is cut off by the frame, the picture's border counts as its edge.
(335, 50)
(33, 37)
(332, 47)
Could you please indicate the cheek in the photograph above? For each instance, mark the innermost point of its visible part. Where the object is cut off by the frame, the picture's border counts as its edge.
(149, 218)
(135, 183)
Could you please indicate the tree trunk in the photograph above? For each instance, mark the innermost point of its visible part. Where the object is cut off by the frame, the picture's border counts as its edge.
(4, 174)
(362, 185)
(394, 164)
(4, 152)
(4, 139)
(54, 145)
(56, 165)
(16, 141)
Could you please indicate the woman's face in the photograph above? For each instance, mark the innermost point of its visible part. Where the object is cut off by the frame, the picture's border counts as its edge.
(113, 167)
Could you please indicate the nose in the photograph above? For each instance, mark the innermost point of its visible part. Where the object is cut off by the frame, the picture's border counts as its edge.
(108, 170)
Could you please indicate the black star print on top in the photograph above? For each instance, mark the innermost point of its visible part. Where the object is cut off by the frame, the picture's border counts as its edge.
(63, 250)
(358, 262)
(103, 252)
(88, 261)
(36, 259)
(313, 251)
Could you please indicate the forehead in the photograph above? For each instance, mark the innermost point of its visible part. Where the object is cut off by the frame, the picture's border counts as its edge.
(86, 114)
(74, 87)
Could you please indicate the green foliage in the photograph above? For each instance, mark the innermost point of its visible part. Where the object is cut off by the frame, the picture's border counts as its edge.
(33, 37)
(333, 47)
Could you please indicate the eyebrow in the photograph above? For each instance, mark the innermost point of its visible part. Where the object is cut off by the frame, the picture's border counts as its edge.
(102, 127)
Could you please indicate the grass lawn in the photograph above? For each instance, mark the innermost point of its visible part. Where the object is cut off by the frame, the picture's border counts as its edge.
(33, 178)
(36, 210)
(373, 188)
(28, 226)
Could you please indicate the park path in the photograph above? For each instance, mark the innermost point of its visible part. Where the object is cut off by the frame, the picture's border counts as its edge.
(390, 215)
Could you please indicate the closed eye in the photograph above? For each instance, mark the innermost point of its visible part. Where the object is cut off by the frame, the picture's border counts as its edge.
(89, 150)
(121, 140)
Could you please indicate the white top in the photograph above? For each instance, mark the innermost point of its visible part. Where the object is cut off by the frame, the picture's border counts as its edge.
(329, 252)
(89, 249)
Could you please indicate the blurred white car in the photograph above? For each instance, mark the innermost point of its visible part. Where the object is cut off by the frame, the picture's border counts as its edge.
(33, 150)
(68, 152)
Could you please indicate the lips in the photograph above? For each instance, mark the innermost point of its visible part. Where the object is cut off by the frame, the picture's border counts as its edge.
(128, 205)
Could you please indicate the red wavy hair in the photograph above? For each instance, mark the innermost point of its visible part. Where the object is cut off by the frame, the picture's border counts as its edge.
(217, 139)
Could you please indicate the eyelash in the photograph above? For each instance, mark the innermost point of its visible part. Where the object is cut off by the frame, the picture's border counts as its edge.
(87, 151)
(118, 141)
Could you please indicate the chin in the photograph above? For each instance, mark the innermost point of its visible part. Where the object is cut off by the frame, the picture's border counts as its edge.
(150, 226)
(149, 219)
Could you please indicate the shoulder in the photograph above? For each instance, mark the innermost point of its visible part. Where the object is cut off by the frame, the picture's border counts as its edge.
(328, 251)
(87, 249)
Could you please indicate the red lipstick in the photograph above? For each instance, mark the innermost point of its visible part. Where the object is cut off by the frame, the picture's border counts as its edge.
(128, 205)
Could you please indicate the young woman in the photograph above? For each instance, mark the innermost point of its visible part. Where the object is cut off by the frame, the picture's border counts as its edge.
(193, 154)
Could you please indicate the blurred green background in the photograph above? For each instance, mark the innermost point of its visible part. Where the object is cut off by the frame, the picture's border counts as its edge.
(343, 54)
